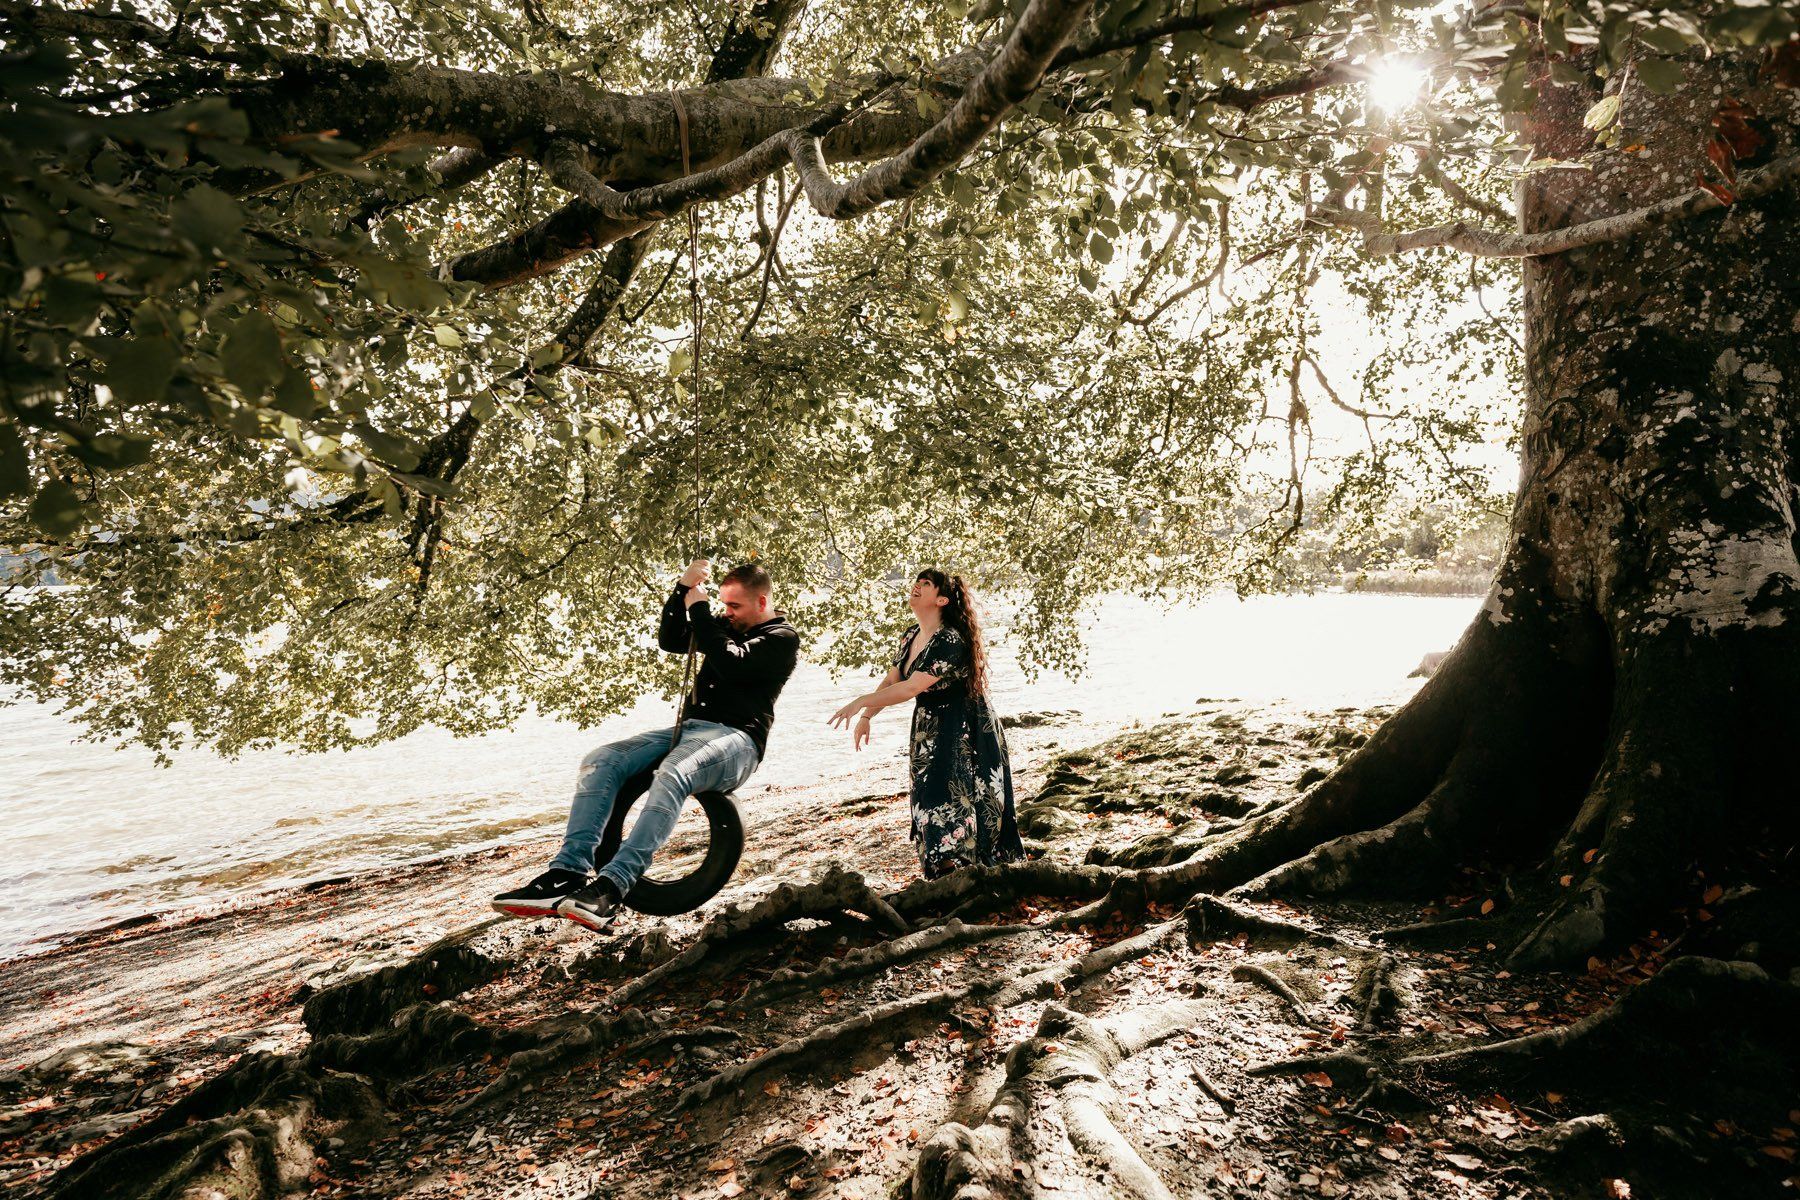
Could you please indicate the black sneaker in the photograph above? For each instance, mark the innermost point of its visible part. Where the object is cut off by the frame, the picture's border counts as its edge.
(539, 898)
(594, 905)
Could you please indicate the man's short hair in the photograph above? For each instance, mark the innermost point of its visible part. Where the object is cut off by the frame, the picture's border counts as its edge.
(750, 577)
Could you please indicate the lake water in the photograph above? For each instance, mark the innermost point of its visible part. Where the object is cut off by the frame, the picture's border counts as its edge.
(94, 835)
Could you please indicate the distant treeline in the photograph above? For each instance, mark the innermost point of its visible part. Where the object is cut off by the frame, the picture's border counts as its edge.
(1430, 551)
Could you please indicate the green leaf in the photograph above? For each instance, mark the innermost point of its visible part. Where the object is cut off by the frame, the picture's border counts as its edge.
(208, 218)
(1088, 279)
(447, 337)
(1099, 249)
(56, 509)
(426, 484)
(111, 451)
(294, 394)
(679, 362)
(70, 302)
(15, 465)
(956, 306)
(1661, 75)
(402, 285)
(251, 354)
(390, 449)
(1603, 113)
(1661, 37)
(138, 370)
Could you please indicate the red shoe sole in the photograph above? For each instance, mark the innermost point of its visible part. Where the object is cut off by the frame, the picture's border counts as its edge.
(520, 910)
(582, 921)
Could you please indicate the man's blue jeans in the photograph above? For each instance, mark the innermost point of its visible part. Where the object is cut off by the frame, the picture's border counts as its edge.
(709, 758)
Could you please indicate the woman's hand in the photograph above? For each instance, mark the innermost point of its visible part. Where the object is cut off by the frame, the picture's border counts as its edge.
(859, 737)
(842, 716)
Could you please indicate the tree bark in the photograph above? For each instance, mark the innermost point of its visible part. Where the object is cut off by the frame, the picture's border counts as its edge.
(1624, 701)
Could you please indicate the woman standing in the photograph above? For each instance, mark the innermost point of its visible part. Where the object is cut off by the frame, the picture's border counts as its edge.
(962, 794)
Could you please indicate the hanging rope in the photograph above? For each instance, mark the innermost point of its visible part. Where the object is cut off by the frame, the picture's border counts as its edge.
(689, 673)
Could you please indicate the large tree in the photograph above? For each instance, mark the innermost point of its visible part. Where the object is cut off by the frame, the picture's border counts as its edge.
(336, 381)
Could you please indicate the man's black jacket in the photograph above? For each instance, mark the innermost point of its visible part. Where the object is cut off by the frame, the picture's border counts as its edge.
(741, 673)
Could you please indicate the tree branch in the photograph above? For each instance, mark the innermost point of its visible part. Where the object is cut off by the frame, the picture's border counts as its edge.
(1012, 75)
(460, 166)
(1490, 243)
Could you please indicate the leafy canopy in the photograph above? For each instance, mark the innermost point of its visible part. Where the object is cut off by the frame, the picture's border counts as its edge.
(319, 472)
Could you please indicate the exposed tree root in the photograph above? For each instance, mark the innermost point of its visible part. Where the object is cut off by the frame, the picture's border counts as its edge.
(678, 1039)
(1220, 1097)
(446, 968)
(994, 995)
(1125, 896)
(1448, 931)
(1070, 1058)
(857, 1029)
(836, 891)
(250, 1133)
(1654, 1027)
(1261, 975)
(868, 960)
(1213, 918)
(553, 1043)
(1001, 885)
(1062, 977)
(1689, 1001)
(1373, 995)
(252, 1130)
(1362, 1076)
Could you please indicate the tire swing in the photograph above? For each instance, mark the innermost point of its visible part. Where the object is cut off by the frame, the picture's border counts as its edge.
(725, 824)
(724, 847)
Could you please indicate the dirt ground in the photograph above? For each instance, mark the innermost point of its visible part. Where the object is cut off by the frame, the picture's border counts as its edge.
(824, 1029)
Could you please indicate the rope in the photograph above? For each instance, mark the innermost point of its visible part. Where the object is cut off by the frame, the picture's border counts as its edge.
(689, 674)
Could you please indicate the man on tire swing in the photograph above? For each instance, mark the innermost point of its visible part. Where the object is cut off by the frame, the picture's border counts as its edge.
(747, 659)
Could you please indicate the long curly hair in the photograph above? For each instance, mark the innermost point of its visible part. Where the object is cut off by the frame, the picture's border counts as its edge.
(961, 614)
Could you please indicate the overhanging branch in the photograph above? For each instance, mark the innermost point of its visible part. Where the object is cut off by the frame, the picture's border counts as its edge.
(1491, 243)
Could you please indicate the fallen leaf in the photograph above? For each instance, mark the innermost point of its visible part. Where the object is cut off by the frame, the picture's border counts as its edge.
(1784, 1153)
(719, 1166)
(1723, 195)
(1487, 906)
(1712, 894)
(1317, 1079)
(1467, 1162)
(771, 1088)
(1618, 1189)
(731, 1187)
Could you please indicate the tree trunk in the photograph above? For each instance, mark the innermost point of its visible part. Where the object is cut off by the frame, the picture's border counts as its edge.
(1625, 696)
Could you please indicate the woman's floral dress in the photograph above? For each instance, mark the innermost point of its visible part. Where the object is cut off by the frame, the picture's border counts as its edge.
(962, 792)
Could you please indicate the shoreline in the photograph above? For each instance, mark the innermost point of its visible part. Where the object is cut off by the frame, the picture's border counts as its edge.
(280, 939)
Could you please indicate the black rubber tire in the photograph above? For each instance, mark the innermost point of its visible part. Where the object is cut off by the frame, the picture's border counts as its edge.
(724, 847)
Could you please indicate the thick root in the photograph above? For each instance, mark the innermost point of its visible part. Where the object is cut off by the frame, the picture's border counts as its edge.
(994, 995)
(1659, 1026)
(997, 886)
(555, 1043)
(869, 960)
(272, 1115)
(857, 1030)
(1688, 1002)
(1262, 976)
(737, 928)
(446, 968)
(1374, 995)
(1069, 1060)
